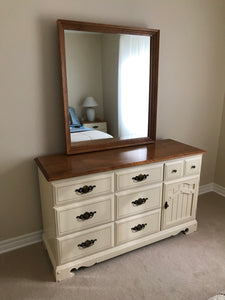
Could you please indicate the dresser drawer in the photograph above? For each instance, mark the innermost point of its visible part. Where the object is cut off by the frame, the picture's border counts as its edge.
(101, 126)
(135, 227)
(174, 170)
(85, 214)
(83, 187)
(139, 200)
(192, 165)
(85, 243)
(138, 176)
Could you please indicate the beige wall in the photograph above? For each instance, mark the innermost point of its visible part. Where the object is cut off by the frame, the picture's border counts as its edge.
(84, 71)
(191, 87)
(110, 58)
(191, 80)
(220, 164)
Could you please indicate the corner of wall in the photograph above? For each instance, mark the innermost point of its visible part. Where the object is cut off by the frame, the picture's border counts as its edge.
(219, 176)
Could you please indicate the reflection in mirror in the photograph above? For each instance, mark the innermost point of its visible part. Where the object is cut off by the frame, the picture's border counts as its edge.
(108, 85)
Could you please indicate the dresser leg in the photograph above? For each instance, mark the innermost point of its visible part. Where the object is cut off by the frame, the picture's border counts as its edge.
(68, 270)
(63, 274)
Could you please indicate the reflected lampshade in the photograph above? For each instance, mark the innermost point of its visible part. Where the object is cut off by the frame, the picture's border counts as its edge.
(90, 103)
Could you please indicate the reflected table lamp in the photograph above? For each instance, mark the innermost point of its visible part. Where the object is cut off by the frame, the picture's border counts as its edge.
(90, 103)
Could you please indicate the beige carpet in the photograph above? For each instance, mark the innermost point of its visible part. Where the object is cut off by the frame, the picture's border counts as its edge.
(178, 268)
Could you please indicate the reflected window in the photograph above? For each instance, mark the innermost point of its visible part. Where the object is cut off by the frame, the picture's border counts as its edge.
(133, 86)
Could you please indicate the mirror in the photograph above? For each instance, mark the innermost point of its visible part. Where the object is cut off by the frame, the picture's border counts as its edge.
(109, 84)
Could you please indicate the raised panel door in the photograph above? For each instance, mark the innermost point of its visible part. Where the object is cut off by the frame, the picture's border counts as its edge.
(179, 202)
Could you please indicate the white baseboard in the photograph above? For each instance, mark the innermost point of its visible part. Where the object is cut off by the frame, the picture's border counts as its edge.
(219, 189)
(35, 237)
(203, 189)
(20, 241)
(212, 187)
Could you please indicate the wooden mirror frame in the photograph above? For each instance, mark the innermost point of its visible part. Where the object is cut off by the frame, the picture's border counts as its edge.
(97, 145)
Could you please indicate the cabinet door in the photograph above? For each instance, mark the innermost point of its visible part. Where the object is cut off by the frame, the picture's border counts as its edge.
(179, 202)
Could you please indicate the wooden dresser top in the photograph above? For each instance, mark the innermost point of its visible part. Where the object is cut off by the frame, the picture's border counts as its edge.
(62, 166)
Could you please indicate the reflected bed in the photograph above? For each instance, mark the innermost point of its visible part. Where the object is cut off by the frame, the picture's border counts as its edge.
(87, 134)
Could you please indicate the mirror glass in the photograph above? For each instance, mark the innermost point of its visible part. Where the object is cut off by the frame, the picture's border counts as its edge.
(108, 85)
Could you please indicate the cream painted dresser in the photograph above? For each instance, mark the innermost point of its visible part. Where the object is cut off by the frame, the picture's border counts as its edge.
(96, 206)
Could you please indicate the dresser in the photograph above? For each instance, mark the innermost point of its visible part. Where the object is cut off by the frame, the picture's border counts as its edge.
(99, 205)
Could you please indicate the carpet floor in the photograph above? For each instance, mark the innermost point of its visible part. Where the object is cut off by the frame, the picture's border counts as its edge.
(178, 268)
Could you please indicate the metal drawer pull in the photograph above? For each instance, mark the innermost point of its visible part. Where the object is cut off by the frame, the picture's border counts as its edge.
(86, 215)
(139, 227)
(139, 201)
(87, 243)
(95, 126)
(140, 177)
(193, 167)
(174, 171)
(166, 205)
(85, 189)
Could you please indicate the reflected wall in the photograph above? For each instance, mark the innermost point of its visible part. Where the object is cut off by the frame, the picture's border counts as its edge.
(114, 69)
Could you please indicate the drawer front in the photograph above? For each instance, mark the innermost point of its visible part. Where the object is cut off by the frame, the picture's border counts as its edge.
(83, 187)
(98, 126)
(88, 242)
(85, 214)
(138, 176)
(174, 170)
(135, 227)
(192, 165)
(140, 200)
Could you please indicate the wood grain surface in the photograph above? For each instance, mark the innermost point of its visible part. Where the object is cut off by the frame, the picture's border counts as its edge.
(61, 166)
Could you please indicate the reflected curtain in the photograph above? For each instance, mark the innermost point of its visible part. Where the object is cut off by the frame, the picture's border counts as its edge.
(133, 86)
